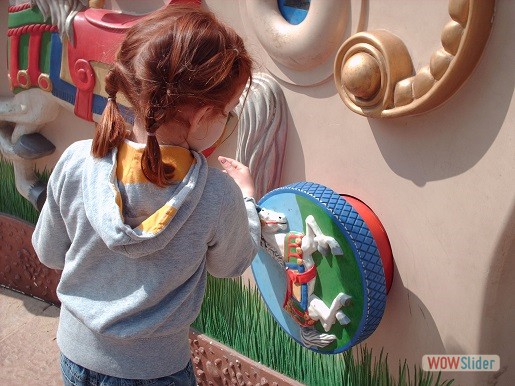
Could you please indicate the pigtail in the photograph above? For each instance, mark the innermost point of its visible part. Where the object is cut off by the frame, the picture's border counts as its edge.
(152, 165)
(110, 131)
(197, 62)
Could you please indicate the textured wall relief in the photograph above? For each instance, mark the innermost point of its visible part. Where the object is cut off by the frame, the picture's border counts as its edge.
(20, 268)
(374, 73)
(325, 266)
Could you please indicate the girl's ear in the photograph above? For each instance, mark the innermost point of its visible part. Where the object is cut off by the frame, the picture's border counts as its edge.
(196, 119)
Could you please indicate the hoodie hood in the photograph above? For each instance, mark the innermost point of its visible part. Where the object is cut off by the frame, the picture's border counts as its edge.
(108, 181)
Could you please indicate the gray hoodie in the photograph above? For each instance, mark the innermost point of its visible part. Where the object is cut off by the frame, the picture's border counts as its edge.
(135, 256)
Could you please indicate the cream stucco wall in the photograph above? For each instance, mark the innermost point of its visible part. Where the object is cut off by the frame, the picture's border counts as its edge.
(442, 183)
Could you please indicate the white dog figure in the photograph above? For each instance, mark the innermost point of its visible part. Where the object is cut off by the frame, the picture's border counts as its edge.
(284, 246)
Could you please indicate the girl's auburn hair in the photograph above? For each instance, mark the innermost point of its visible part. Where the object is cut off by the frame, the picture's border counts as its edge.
(179, 55)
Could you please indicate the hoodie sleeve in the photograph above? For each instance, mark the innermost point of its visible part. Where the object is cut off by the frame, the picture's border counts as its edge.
(237, 242)
(50, 238)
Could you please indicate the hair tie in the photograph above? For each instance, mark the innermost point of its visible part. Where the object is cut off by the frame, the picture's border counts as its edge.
(149, 134)
(111, 99)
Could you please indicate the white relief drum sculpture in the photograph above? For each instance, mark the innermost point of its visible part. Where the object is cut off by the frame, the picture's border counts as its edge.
(325, 266)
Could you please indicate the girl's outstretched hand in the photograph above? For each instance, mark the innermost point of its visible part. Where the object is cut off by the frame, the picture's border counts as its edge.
(240, 174)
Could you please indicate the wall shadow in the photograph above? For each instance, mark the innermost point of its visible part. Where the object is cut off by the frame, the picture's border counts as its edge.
(497, 331)
(451, 139)
(294, 158)
(407, 329)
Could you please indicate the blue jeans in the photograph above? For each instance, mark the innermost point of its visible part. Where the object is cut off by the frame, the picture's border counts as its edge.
(76, 375)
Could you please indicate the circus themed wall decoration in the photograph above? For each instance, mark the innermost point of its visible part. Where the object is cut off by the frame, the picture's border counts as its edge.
(374, 74)
(52, 64)
(296, 53)
(325, 266)
(307, 42)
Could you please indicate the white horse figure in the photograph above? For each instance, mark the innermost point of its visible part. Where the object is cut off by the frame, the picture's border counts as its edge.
(261, 139)
(273, 230)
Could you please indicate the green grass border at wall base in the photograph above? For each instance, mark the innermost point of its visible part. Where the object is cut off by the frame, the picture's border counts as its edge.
(234, 314)
(12, 202)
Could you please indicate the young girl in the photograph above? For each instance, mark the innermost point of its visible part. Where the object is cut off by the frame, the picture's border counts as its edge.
(135, 220)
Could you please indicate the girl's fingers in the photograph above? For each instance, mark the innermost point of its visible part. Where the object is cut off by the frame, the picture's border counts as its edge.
(240, 173)
(229, 163)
